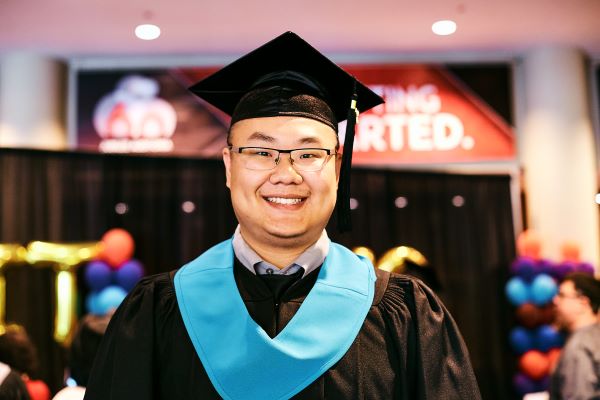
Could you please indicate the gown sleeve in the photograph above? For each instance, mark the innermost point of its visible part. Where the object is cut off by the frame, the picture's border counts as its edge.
(123, 367)
(436, 352)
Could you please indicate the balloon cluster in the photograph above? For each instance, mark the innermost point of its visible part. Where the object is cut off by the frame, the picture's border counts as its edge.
(531, 288)
(113, 274)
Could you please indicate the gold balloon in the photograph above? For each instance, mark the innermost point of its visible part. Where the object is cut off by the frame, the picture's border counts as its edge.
(394, 260)
(365, 252)
(9, 252)
(65, 257)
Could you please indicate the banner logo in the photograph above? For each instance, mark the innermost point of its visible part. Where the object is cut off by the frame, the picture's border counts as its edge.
(133, 119)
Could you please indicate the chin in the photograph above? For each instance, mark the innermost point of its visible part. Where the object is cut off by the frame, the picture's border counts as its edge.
(286, 233)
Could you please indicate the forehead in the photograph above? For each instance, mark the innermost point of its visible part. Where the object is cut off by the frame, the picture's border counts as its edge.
(288, 131)
(567, 287)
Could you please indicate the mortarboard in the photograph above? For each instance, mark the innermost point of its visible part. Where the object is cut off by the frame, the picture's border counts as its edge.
(287, 76)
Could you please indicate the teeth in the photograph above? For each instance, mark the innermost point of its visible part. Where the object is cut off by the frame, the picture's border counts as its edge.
(281, 200)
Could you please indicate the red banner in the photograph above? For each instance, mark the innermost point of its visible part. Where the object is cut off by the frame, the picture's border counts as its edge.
(429, 117)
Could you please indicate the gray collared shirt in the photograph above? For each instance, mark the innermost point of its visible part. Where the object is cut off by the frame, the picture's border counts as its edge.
(311, 259)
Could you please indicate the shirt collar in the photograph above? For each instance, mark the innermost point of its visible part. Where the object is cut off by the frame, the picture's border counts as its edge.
(309, 260)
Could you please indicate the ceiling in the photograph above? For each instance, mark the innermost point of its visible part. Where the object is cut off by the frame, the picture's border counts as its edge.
(75, 28)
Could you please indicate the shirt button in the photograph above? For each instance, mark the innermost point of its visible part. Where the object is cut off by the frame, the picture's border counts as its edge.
(270, 271)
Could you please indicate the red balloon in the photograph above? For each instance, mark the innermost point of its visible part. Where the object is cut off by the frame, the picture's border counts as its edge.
(534, 364)
(528, 315)
(118, 247)
(38, 390)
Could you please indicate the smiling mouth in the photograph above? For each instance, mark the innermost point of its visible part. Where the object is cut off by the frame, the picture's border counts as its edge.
(284, 200)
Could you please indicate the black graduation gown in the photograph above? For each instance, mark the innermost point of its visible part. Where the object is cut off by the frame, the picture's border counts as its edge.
(408, 347)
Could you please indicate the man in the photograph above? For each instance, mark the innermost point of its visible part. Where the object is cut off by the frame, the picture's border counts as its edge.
(577, 374)
(279, 311)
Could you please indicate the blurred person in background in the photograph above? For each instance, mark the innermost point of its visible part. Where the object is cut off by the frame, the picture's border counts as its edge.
(12, 386)
(82, 352)
(577, 374)
(18, 352)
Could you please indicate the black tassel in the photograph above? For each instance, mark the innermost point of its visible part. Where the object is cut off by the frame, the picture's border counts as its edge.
(343, 195)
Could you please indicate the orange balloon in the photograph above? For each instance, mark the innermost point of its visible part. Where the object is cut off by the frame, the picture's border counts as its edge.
(570, 251)
(553, 356)
(534, 364)
(118, 247)
(529, 244)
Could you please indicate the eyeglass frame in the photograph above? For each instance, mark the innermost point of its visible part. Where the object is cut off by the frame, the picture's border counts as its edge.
(330, 153)
(575, 295)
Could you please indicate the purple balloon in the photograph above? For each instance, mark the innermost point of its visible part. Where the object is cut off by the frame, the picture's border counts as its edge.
(585, 268)
(523, 384)
(97, 275)
(563, 269)
(525, 268)
(546, 266)
(543, 384)
(129, 274)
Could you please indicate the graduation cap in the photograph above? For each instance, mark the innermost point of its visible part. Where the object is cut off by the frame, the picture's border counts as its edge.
(289, 77)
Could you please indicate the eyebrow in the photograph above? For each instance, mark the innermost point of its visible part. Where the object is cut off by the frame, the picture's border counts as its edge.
(309, 140)
(261, 136)
(264, 137)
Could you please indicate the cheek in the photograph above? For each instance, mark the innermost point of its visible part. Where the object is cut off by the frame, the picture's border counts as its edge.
(245, 184)
(325, 185)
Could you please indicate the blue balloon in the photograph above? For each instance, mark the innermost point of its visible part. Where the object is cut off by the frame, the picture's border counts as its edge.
(521, 340)
(543, 289)
(92, 305)
(517, 291)
(546, 338)
(129, 274)
(97, 275)
(110, 298)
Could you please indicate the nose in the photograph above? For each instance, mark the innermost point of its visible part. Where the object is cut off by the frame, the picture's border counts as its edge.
(555, 299)
(284, 172)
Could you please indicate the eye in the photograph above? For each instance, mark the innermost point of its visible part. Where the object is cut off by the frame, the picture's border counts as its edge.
(261, 152)
(310, 154)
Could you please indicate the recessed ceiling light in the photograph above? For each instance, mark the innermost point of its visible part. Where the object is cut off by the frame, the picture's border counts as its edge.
(444, 27)
(147, 31)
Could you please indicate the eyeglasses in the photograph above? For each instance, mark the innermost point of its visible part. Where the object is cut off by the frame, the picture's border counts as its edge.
(567, 296)
(264, 158)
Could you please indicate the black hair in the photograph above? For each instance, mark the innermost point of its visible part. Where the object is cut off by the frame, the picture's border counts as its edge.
(587, 286)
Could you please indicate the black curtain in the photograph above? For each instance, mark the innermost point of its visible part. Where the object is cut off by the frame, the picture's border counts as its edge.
(462, 224)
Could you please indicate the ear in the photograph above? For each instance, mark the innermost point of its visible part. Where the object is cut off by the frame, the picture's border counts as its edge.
(227, 162)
